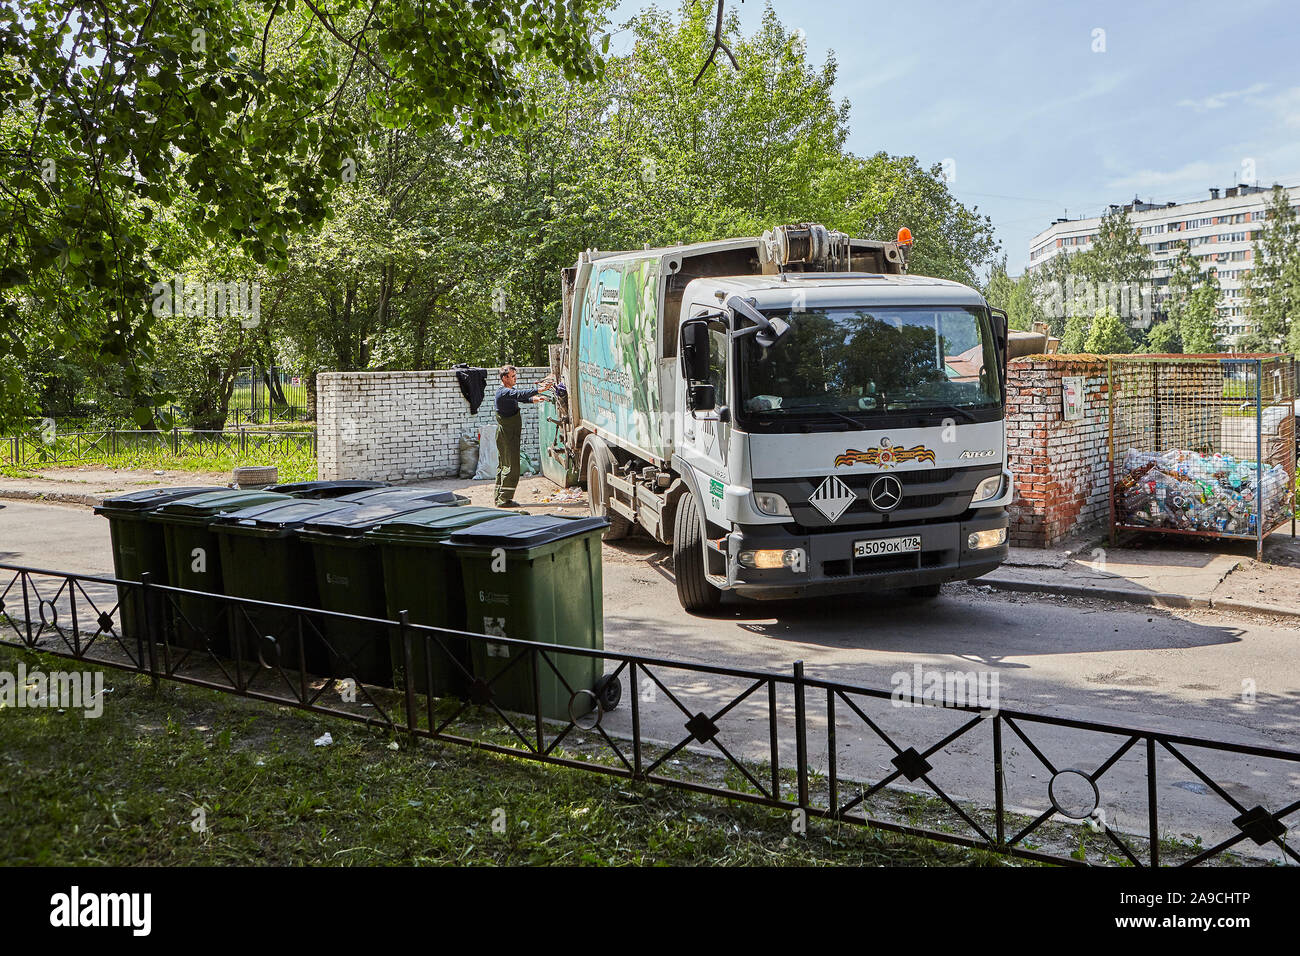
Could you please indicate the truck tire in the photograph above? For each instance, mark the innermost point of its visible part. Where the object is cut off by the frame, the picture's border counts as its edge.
(694, 591)
(600, 463)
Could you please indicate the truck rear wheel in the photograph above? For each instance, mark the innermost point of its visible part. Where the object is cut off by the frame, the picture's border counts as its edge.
(694, 591)
(600, 464)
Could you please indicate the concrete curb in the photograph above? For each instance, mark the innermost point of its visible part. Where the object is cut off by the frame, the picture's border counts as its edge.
(1144, 598)
(64, 498)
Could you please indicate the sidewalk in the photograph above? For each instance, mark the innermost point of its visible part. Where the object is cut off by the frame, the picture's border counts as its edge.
(1214, 574)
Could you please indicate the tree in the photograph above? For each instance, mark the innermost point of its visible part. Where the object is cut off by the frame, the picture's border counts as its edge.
(1014, 296)
(1272, 292)
(1163, 339)
(1107, 335)
(226, 112)
(1075, 334)
(1200, 320)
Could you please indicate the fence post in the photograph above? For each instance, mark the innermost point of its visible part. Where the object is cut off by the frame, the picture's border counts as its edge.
(1259, 460)
(801, 735)
(404, 628)
(176, 441)
(112, 440)
(148, 634)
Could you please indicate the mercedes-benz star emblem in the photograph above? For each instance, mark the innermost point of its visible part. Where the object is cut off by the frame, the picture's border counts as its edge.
(886, 493)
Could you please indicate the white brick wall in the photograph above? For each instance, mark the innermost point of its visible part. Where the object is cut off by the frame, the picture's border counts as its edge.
(403, 426)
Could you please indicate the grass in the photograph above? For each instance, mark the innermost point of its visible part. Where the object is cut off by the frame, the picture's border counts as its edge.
(295, 462)
(123, 790)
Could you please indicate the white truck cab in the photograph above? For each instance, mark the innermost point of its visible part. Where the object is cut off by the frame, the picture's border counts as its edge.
(789, 431)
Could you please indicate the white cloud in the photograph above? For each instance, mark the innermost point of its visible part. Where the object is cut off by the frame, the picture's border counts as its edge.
(1193, 174)
(1287, 106)
(1219, 100)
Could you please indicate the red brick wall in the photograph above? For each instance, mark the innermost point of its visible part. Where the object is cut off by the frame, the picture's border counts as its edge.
(1061, 467)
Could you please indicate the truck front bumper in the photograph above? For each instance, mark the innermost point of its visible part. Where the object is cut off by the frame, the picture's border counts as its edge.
(829, 565)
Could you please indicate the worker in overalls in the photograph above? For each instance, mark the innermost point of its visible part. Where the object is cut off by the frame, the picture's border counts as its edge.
(509, 428)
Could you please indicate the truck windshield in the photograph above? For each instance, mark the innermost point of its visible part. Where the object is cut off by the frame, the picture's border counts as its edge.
(866, 363)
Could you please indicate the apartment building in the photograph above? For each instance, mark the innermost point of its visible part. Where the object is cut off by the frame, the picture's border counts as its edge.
(1219, 230)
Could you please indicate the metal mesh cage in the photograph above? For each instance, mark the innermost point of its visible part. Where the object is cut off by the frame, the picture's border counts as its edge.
(1203, 445)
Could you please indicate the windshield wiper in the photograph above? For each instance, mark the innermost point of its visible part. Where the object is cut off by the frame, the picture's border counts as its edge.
(965, 413)
(804, 416)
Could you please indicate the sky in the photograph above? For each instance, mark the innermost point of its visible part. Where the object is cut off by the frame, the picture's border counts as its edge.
(1041, 110)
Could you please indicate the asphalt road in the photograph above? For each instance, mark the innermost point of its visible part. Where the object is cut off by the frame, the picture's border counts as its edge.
(1176, 672)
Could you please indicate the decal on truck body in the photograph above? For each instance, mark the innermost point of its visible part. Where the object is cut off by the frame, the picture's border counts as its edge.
(617, 381)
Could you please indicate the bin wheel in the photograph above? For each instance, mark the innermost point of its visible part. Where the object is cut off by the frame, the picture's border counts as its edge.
(609, 691)
(600, 463)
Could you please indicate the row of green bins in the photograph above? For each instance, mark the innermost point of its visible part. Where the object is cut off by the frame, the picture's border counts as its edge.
(264, 560)
(326, 489)
(423, 578)
(422, 497)
(537, 578)
(349, 576)
(139, 546)
(194, 560)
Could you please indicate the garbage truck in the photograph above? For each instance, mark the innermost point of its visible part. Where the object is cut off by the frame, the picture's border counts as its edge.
(795, 414)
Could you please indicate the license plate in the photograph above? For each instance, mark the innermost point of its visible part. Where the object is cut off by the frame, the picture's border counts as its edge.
(878, 546)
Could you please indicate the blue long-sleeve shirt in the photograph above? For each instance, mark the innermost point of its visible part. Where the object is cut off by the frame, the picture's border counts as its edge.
(509, 399)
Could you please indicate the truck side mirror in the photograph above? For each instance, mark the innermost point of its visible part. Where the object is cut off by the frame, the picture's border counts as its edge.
(703, 397)
(695, 351)
(1000, 332)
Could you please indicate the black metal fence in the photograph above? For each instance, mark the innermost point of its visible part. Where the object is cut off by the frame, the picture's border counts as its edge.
(266, 396)
(1006, 781)
(51, 447)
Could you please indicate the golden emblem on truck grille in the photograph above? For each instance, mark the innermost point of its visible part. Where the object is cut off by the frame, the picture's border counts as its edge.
(885, 455)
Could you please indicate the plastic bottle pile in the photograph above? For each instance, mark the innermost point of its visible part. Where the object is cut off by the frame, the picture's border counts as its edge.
(1192, 492)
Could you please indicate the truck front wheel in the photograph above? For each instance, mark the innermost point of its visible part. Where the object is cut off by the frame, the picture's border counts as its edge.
(600, 463)
(694, 591)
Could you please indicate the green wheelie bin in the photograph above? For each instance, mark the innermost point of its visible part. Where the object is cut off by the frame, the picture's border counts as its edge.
(263, 559)
(536, 578)
(350, 580)
(423, 578)
(423, 496)
(194, 562)
(139, 545)
(326, 489)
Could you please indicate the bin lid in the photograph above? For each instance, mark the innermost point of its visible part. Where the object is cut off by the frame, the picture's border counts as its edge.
(432, 524)
(355, 519)
(423, 496)
(153, 497)
(287, 514)
(516, 531)
(212, 503)
(326, 489)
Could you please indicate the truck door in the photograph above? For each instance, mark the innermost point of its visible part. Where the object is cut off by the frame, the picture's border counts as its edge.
(704, 440)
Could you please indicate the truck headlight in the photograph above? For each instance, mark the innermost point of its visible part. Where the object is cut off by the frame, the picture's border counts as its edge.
(768, 558)
(772, 504)
(986, 539)
(988, 488)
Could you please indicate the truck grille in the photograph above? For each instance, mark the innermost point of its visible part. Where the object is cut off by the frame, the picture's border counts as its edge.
(941, 494)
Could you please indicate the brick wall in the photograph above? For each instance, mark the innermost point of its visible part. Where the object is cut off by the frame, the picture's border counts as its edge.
(1061, 467)
(403, 426)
